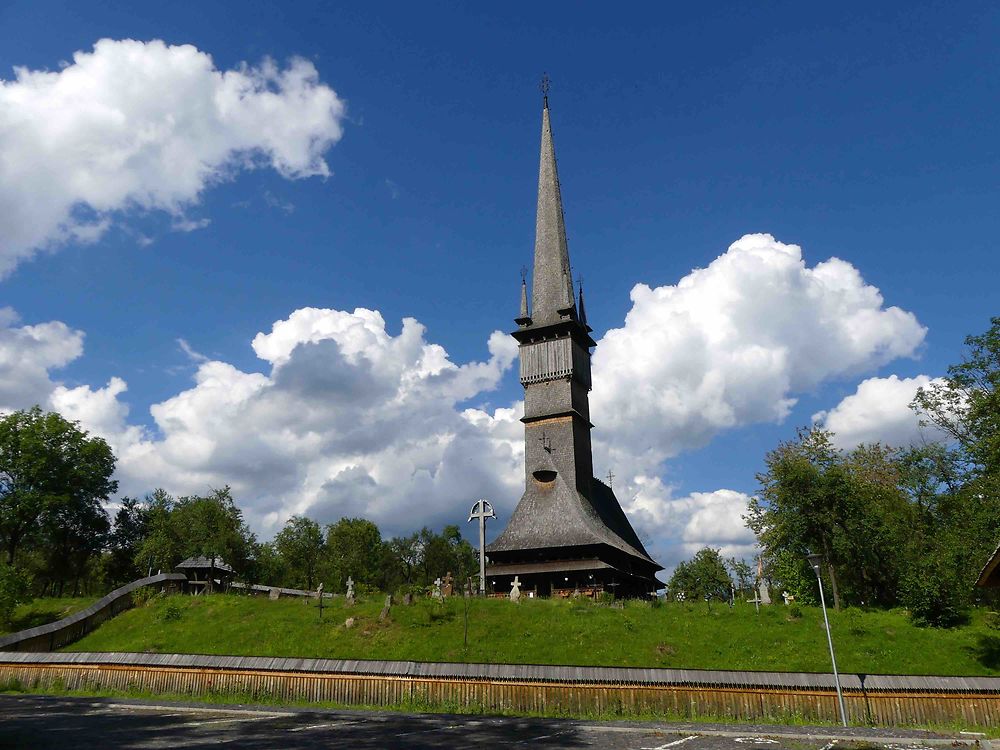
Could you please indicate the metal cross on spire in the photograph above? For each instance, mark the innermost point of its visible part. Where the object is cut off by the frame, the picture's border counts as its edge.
(544, 86)
(546, 442)
(611, 478)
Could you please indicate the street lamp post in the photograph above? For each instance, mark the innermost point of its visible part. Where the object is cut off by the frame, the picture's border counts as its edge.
(814, 561)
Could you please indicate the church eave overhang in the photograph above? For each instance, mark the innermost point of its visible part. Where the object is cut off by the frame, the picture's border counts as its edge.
(576, 330)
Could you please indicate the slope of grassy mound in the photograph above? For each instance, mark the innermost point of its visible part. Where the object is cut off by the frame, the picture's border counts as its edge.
(41, 611)
(552, 632)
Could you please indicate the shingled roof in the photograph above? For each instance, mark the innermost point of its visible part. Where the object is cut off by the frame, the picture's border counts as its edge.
(204, 563)
(562, 517)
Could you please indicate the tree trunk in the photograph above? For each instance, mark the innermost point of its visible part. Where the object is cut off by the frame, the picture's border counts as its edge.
(833, 576)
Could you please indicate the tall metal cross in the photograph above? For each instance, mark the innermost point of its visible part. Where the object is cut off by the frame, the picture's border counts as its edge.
(611, 478)
(482, 510)
(544, 86)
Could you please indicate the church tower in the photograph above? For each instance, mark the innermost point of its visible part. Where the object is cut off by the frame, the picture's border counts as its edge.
(568, 531)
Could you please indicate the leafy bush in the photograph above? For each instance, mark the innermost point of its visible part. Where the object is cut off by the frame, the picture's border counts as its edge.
(992, 620)
(855, 622)
(14, 586)
(935, 590)
(143, 596)
(171, 611)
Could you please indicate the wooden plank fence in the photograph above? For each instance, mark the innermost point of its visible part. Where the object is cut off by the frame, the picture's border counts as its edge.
(880, 700)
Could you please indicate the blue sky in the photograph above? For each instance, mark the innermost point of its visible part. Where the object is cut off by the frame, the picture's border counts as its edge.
(865, 134)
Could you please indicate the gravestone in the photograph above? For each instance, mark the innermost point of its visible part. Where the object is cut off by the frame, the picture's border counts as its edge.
(787, 597)
(274, 593)
(407, 599)
(385, 610)
(350, 592)
(349, 623)
(449, 585)
(762, 593)
(436, 592)
(515, 590)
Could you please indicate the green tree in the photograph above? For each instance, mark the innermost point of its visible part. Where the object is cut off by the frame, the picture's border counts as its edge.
(212, 526)
(966, 403)
(267, 566)
(46, 463)
(742, 574)
(131, 525)
(73, 535)
(445, 553)
(849, 507)
(160, 548)
(800, 504)
(400, 559)
(300, 544)
(704, 576)
(353, 549)
(14, 588)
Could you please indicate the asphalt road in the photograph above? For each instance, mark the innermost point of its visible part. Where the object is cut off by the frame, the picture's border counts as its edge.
(92, 723)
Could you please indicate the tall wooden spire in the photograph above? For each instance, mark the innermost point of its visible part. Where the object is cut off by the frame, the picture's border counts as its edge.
(567, 522)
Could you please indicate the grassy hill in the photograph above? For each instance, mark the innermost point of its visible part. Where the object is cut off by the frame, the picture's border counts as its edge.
(45, 610)
(553, 632)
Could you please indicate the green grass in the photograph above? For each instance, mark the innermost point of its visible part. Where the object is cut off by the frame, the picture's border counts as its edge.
(553, 632)
(42, 611)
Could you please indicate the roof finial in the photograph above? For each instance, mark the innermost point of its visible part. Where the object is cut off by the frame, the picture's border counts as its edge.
(524, 319)
(545, 84)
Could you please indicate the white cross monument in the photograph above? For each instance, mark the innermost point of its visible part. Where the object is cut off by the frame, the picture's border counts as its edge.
(482, 510)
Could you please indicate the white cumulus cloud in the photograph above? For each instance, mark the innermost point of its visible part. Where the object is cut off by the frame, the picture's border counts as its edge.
(28, 354)
(733, 344)
(879, 411)
(135, 125)
(350, 418)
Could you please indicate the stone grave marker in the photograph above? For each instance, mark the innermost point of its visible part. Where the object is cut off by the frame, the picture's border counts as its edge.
(515, 590)
(385, 610)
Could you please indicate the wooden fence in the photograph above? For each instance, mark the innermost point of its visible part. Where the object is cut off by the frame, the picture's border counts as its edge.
(880, 700)
(63, 632)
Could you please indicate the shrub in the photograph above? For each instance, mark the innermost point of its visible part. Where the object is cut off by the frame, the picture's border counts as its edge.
(171, 611)
(143, 596)
(935, 591)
